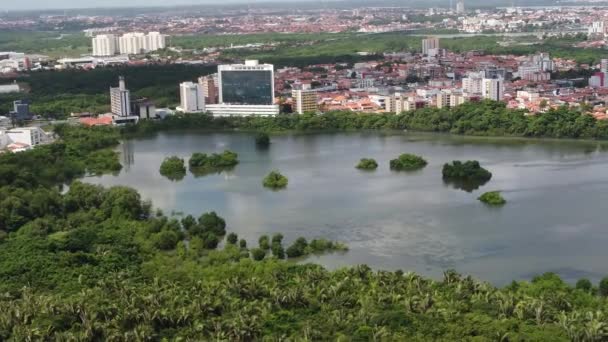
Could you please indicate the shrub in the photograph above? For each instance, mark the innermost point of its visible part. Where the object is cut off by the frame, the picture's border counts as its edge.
(407, 162)
(275, 181)
(367, 164)
(492, 198)
(258, 254)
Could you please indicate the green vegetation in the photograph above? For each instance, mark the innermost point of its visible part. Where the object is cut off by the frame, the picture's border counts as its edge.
(262, 140)
(92, 263)
(367, 164)
(407, 162)
(469, 171)
(201, 164)
(173, 168)
(493, 198)
(274, 180)
(53, 44)
(467, 176)
(484, 118)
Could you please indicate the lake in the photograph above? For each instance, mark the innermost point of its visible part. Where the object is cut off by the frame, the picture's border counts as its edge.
(555, 218)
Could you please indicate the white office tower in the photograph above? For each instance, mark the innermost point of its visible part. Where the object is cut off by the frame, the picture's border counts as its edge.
(245, 89)
(460, 6)
(154, 41)
(104, 45)
(430, 46)
(120, 99)
(493, 88)
(192, 99)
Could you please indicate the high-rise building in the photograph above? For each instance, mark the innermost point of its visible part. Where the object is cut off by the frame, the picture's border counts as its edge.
(472, 83)
(120, 99)
(304, 100)
(21, 110)
(460, 6)
(604, 65)
(104, 45)
(192, 99)
(209, 89)
(154, 41)
(493, 88)
(430, 46)
(246, 84)
(132, 43)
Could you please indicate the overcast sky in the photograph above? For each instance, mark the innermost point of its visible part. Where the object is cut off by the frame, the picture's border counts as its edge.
(55, 4)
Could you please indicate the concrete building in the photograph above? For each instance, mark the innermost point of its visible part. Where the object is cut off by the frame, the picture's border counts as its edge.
(120, 98)
(304, 100)
(245, 89)
(104, 45)
(472, 84)
(460, 6)
(132, 43)
(209, 89)
(143, 108)
(493, 88)
(604, 65)
(430, 46)
(23, 138)
(21, 110)
(192, 99)
(137, 42)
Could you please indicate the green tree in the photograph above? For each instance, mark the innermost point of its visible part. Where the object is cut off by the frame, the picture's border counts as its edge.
(258, 254)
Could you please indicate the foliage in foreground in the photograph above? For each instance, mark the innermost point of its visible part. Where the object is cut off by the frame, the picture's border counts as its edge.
(407, 162)
(367, 164)
(275, 180)
(492, 198)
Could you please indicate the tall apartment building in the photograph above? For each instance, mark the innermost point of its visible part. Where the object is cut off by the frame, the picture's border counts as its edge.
(493, 88)
(472, 84)
(137, 42)
(192, 99)
(120, 99)
(460, 6)
(104, 45)
(604, 65)
(304, 100)
(209, 89)
(430, 46)
(132, 43)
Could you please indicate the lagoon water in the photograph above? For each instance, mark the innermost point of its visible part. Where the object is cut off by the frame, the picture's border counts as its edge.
(556, 218)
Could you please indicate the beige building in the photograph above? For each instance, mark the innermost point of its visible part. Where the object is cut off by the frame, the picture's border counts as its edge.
(304, 100)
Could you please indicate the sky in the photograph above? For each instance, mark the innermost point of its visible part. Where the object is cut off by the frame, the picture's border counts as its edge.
(10, 5)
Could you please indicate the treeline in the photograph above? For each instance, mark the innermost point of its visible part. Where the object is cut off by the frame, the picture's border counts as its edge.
(485, 118)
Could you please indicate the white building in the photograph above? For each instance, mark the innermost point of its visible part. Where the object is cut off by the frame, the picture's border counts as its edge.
(120, 99)
(192, 98)
(493, 88)
(245, 89)
(155, 41)
(430, 45)
(104, 45)
(23, 138)
(472, 84)
(597, 28)
(137, 42)
(460, 6)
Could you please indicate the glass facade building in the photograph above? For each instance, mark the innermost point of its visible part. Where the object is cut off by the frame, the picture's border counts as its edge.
(247, 87)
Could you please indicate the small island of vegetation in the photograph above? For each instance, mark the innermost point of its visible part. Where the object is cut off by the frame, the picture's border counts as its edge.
(275, 181)
(467, 176)
(493, 198)
(367, 164)
(262, 140)
(408, 162)
(173, 168)
(201, 163)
